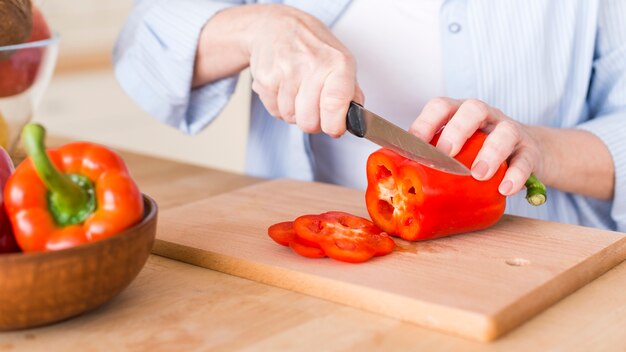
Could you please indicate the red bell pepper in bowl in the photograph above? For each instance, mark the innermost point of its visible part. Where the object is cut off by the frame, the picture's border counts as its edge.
(78, 193)
(416, 202)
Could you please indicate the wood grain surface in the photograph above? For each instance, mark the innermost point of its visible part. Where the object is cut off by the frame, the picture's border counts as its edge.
(478, 285)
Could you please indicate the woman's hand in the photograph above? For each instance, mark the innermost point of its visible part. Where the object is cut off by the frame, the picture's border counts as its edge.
(301, 72)
(568, 159)
(507, 140)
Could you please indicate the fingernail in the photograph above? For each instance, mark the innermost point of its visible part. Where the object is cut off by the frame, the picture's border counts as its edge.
(480, 169)
(445, 146)
(505, 187)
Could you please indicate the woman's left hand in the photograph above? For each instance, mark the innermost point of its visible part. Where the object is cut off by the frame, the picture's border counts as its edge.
(507, 139)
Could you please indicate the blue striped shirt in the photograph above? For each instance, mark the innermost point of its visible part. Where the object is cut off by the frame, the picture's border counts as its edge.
(557, 63)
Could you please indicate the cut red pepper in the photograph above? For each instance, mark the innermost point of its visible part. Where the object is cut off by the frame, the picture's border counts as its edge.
(416, 202)
(300, 247)
(284, 234)
(78, 193)
(344, 236)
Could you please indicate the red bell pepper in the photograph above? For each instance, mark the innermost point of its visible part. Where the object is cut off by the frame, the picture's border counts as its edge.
(416, 202)
(338, 235)
(284, 234)
(343, 236)
(7, 241)
(78, 193)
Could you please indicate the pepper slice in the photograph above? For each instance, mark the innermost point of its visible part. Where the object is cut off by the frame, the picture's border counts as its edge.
(284, 234)
(344, 236)
(78, 193)
(416, 202)
(298, 246)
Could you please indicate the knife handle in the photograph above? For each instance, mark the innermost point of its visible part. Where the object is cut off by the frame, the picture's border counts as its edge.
(354, 120)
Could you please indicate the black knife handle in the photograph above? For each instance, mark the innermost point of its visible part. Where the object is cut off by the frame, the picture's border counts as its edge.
(354, 120)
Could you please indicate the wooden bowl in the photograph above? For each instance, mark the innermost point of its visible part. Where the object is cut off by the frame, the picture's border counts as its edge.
(42, 288)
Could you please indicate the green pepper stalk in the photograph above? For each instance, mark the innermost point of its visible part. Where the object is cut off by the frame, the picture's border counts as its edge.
(535, 191)
(70, 197)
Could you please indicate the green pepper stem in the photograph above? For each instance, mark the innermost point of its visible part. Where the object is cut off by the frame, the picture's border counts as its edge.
(70, 197)
(535, 191)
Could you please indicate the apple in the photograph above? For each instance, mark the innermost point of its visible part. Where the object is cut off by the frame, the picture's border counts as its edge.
(19, 69)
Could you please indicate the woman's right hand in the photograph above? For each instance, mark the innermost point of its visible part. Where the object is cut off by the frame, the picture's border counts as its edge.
(302, 73)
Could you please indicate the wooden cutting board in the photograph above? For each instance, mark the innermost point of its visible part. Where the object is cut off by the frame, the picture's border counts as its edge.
(478, 285)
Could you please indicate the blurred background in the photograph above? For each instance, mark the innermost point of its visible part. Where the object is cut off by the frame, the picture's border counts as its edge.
(85, 102)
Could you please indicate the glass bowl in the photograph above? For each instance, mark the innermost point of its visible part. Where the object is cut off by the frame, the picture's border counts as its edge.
(25, 72)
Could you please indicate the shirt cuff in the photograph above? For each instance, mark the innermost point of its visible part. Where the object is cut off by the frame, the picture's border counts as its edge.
(611, 129)
(155, 66)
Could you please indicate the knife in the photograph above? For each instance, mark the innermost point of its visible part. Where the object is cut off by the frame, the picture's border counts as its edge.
(365, 124)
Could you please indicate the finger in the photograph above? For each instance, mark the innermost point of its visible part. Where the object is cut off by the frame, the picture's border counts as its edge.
(307, 105)
(268, 98)
(359, 97)
(498, 146)
(338, 90)
(434, 115)
(471, 116)
(335, 99)
(516, 175)
(286, 99)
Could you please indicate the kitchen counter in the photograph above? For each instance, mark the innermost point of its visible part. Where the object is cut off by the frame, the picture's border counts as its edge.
(173, 306)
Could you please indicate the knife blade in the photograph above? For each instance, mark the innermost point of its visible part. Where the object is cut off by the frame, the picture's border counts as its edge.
(366, 124)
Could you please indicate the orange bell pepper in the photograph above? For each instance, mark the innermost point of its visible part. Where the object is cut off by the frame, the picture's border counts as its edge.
(78, 193)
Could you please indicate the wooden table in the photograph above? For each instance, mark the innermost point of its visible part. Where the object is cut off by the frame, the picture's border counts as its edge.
(173, 306)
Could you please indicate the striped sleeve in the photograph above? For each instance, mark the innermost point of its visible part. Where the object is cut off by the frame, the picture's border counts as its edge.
(607, 97)
(154, 59)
